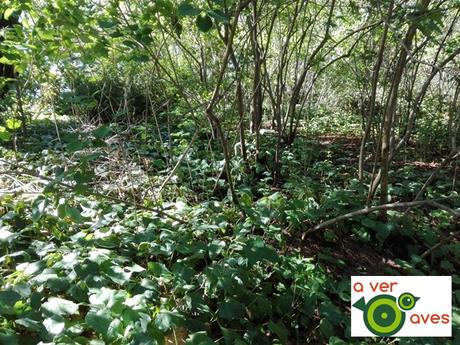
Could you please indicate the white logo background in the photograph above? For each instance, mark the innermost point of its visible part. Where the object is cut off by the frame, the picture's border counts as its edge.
(435, 293)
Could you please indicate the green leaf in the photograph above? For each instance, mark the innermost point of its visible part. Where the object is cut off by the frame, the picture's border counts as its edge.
(215, 248)
(219, 16)
(256, 250)
(73, 213)
(106, 24)
(6, 236)
(4, 134)
(336, 341)
(99, 321)
(30, 324)
(76, 146)
(231, 310)
(326, 328)
(383, 230)
(280, 330)
(38, 207)
(60, 306)
(186, 9)
(55, 324)
(8, 13)
(331, 312)
(199, 338)
(165, 320)
(204, 23)
(141, 58)
(13, 124)
(102, 132)
(9, 298)
(118, 274)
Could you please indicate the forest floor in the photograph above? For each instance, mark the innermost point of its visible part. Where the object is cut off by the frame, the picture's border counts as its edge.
(218, 275)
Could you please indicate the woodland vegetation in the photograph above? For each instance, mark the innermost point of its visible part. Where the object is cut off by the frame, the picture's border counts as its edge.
(214, 171)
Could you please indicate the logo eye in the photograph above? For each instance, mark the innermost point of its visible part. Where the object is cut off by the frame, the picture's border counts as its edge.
(407, 301)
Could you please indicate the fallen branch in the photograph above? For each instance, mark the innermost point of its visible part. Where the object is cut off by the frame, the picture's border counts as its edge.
(393, 206)
(439, 244)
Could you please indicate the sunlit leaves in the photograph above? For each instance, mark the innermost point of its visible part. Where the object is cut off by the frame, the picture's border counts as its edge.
(65, 210)
(60, 306)
(165, 320)
(256, 250)
(54, 324)
(5, 235)
(99, 320)
(4, 134)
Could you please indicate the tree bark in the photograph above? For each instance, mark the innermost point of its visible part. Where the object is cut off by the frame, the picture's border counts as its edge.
(375, 79)
(257, 99)
(390, 110)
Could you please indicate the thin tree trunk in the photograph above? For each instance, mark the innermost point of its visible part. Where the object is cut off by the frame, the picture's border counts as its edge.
(390, 112)
(411, 121)
(215, 99)
(240, 106)
(256, 116)
(375, 79)
(300, 81)
(452, 126)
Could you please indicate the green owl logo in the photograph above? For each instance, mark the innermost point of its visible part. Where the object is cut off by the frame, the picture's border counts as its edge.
(384, 315)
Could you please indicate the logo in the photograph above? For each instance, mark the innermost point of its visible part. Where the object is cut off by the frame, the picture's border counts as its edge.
(401, 306)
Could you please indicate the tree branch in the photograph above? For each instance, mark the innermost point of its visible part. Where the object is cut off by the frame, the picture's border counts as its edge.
(393, 206)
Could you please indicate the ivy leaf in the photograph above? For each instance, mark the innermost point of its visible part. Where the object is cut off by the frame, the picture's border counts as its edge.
(55, 324)
(31, 324)
(38, 207)
(326, 328)
(6, 236)
(186, 9)
(9, 298)
(330, 312)
(99, 321)
(73, 213)
(280, 330)
(167, 319)
(215, 248)
(204, 23)
(383, 230)
(60, 306)
(231, 310)
(256, 250)
(118, 274)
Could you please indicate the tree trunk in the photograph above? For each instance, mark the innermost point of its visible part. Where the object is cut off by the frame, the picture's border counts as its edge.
(375, 79)
(256, 115)
(453, 121)
(390, 112)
